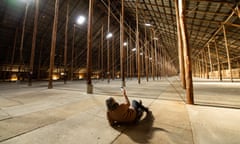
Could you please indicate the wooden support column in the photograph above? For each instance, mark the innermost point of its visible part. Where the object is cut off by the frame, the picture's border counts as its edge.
(39, 60)
(66, 44)
(33, 42)
(206, 64)
(137, 45)
(53, 44)
(130, 51)
(156, 58)
(210, 60)
(113, 59)
(187, 54)
(180, 48)
(22, 40)
(218, 62)
(203, 65)
(152, 54)
(89, 48)
(200, 68)
(127, 52)
(108, 49)
(102, 71)
(73, 48)
(122, 51)
(14, 50)
(228, 55)
(146, 52)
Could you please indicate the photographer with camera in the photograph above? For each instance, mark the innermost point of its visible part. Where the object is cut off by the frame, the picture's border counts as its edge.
(124, 113)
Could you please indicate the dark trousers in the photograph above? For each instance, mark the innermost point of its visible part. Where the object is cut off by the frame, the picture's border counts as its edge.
(139, 108)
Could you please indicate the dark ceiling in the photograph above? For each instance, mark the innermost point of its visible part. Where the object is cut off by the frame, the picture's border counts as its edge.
(204, 18)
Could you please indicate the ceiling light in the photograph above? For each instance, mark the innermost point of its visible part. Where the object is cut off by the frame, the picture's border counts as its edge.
(125, 44)
(134, 49)
(148, 24)
(109, 35)
(80, 20)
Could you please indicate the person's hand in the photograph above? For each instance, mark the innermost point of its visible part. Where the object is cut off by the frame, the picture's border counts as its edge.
(123, 91)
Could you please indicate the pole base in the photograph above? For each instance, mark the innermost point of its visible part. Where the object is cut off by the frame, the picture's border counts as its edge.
(89, 88)
(123, 84)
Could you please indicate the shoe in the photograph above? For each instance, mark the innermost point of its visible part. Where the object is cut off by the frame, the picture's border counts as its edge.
(146, 110)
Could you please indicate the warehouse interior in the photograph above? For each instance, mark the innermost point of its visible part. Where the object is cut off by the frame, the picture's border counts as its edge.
(60, 60)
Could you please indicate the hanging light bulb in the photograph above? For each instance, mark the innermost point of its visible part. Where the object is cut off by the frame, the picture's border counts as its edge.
(80, 20)
(148, 24)
(109, 35)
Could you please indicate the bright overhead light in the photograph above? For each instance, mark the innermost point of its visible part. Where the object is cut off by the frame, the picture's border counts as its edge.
(80, 20)
(148, 24)
(26, 1)
(109, 35)
(141, 53)
(134, 49)
(155, 38)
(125, 44)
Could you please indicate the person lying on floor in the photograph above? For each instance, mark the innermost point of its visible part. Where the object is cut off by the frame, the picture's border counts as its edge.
(124, 113)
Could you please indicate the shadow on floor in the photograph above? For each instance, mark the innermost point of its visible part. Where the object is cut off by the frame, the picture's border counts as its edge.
(142, 131)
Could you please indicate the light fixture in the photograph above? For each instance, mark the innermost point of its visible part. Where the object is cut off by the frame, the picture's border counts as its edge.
(148, 24)
(125, 44)
(134, 49)
(80, 20)
(155, 38)
(109, 35)
(141, 53)
(26, 1)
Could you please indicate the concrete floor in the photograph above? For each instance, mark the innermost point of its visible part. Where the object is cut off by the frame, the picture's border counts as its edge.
(67, 115)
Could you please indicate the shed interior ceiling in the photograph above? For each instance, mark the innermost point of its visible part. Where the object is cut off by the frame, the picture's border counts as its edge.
(203, 18)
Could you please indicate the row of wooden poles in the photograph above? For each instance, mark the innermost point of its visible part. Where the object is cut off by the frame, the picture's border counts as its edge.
(184, 53)
(204, 56)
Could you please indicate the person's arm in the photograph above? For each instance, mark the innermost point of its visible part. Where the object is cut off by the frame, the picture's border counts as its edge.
(125, 96)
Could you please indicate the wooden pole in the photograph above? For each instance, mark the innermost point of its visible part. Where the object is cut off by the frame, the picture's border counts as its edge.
(102, 71)
(66, 44)
(130, 45)
(210, 60)
(156, 59)
(73, 48)
(127, 52)
(108, 49)
(202, 61)
(153, 55)
(146, 52)
(218, 61)
(33, 42)
(228, 55)
(53, 44)
(39, 60)
(22, 40)
(187, 54)
(89, 48)
(180, 48)
(108, 61)
(121, 44)
(14, 50)
(113, 61)
(200, 67)
(206, 64)
(137, 45)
